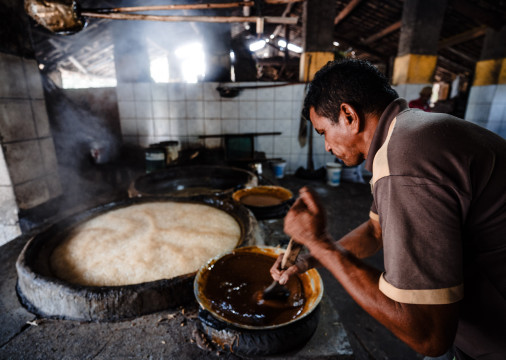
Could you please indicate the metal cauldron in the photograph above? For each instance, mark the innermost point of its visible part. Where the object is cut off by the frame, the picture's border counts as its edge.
(193, 180)
(249, 340)
(48, 296)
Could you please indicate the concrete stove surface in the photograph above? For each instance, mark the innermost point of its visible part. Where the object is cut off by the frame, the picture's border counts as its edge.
(345, 331)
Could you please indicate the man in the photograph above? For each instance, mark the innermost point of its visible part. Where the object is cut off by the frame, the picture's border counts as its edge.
(439, 214)
(423, 101)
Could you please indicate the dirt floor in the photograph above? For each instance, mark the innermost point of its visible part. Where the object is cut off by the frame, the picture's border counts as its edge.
(345, 331)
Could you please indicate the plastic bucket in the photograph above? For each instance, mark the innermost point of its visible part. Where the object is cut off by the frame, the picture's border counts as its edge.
(279, 169)
(334, 173)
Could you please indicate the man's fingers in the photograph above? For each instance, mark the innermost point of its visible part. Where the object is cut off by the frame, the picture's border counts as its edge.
(285, 275)
(275, 268)
(309, 198)
(299, 205)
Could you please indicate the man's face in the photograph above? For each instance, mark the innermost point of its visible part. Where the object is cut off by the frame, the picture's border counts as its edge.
(340, 139)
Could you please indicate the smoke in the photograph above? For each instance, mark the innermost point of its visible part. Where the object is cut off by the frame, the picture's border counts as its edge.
(86, 148)
(76, 131)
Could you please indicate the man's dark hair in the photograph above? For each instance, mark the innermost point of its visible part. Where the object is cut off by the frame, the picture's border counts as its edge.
(355, 82)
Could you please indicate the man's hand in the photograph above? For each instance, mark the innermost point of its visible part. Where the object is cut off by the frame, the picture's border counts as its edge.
(282, 276)
(306, 222)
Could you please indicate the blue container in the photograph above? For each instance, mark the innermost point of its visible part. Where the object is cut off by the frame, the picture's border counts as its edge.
(279, 169)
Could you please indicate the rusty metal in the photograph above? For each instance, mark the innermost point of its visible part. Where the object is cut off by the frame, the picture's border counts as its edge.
(58, 16)
(66, 17)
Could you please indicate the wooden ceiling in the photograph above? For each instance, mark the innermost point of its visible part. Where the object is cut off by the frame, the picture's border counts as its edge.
(367, 29)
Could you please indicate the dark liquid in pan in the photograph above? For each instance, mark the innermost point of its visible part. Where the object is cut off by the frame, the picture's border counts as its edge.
(261, 200)
(235, 285)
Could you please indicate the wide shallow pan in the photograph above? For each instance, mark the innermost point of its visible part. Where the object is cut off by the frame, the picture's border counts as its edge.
(193, 180)
(48, 296)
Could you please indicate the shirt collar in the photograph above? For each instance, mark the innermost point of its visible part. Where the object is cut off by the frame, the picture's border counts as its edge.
(391, 111)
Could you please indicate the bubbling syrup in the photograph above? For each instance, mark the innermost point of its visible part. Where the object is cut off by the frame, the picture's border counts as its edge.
(235, 285)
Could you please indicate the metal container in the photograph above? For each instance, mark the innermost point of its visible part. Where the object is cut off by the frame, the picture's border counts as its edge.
(266, 202)
(171, 151)
(155, 159)
(248, 340)
(46, 295)
(311, 280)
(193, 180)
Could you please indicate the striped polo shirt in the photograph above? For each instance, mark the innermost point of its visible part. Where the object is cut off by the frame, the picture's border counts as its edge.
(439, 189)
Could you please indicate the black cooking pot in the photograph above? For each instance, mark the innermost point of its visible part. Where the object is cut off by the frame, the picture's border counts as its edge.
(266, 202)
(236, 333)
(46, 295)
(193, 180)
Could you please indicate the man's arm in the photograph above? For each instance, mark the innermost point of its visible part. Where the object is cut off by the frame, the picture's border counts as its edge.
(363, 241)
(428, 329)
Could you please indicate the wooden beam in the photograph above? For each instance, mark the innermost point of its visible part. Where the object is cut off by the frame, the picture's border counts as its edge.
(346, 11)
(459, 66)
(208, 19)
(462, 55)
(286, 12)
(382, 33)
(78, 65)
(462, 37)
(171, 7)
(277, 2)
(359, 46)
(494, 20)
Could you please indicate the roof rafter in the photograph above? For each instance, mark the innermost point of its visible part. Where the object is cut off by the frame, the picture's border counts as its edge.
(466, 8)
(346, 11)
(463, 37)
(389, 29)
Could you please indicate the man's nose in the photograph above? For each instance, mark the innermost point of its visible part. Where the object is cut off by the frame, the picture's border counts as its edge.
(328, 148)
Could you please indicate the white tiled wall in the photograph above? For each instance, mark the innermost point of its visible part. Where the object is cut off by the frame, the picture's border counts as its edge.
(28, 166)
(410, 91)
(487, 107)
(151, 113)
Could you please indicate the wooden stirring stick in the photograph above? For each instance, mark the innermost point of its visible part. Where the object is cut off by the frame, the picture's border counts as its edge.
(276, 290)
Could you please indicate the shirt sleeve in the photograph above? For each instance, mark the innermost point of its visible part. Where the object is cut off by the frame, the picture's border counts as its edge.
(422, 243)
(373, 212)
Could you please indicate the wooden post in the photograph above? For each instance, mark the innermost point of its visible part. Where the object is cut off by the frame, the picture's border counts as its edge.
(317, 37)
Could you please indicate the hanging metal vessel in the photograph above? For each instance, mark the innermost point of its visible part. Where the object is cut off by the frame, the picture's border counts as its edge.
(58, 16)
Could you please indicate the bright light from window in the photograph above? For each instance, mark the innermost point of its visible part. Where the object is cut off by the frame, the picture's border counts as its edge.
(75, 80)
(294, 48)
(159, 68)
(193, 64)
(257, 45)
(291, 47)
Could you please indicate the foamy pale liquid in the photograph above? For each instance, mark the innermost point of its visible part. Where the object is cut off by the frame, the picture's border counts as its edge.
(144, 242)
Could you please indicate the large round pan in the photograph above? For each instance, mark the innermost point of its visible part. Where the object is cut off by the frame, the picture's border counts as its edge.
(311, 280)
(271, 202)
(193, 180)
(46, 295)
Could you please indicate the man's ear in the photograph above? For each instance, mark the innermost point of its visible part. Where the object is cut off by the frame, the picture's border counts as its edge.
(350, 117)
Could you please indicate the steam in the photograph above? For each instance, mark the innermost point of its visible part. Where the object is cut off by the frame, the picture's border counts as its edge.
(76, 131)
(83, 144)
